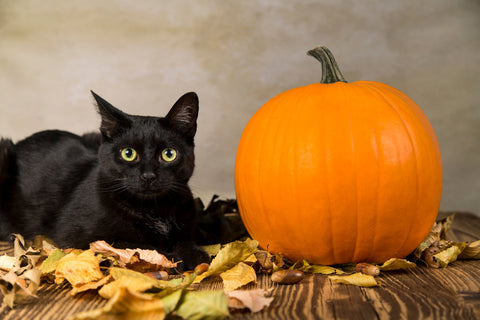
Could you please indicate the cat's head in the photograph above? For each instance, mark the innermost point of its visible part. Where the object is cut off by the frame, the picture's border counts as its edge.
(147, 157)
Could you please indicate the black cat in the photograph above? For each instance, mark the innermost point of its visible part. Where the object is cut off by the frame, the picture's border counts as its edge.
(126, 185)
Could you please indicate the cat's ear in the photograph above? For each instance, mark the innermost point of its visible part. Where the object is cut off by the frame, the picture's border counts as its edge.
(184, 113)
(113, 120)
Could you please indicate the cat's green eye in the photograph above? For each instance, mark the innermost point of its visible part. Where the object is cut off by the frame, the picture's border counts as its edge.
(128, 154)
(169, 154)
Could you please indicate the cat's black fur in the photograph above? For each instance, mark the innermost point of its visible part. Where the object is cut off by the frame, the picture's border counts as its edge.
(78, 189)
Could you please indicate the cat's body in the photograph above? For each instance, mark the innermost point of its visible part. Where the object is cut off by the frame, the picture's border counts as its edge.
(127, 186)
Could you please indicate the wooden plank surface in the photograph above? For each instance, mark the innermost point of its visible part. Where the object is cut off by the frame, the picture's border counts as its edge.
(419, 293)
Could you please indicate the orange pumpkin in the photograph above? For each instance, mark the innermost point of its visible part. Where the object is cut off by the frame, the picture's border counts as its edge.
(339, 172)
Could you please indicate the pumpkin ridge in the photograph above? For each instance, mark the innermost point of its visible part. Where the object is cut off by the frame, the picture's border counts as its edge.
(329, 202)
(354, 161)
(377, 198)
(409, 134)
(268, 222)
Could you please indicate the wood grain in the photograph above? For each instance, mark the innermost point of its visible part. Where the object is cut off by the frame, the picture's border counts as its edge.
(419, 293)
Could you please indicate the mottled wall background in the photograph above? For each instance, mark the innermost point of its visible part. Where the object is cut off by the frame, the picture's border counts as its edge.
(142, 55)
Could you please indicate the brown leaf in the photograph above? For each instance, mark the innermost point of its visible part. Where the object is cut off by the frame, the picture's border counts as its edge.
(253, 300)
(138, 259)
(437, 233)
(428, 255)
(19, 289)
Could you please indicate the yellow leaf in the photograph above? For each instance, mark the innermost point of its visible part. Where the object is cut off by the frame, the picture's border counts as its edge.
(229, 256)
(472, 251)
(450, 254)
(304, 266)
(138, 282)
(91, 285)
(238, 276)
(358, 279)
(126, 304)
(133, 280)
(78, 269)
(396, 264)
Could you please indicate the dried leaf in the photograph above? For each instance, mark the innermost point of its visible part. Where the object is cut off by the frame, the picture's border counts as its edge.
(196, 305)
(253, 300)
(78, 269)
(8, 263)
(446, 224)
(91, 285)
(304, 266)
(126, 304)
(269, 261)
(170, 301)
(229, 256)
(472, 251)
(138, 259)
(139, 282)
(450, 254)
(19, 289)
(135, 281)
(238, 276)
(358, 279)
(396, 264)
(437, 233)
(50, 264)
(212, 249)
(19, 247)
(428, 256)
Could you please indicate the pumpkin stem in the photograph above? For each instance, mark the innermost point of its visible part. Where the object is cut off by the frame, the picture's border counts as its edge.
(330, 71)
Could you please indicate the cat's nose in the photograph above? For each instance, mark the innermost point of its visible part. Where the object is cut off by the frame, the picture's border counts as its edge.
(148, 176)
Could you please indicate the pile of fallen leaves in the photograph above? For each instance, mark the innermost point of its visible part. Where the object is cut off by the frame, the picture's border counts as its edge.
(143, 283)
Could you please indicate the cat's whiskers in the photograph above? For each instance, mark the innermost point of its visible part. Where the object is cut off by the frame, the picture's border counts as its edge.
(117, 185)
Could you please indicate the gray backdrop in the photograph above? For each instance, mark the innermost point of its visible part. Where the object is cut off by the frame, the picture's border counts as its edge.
(142, 55)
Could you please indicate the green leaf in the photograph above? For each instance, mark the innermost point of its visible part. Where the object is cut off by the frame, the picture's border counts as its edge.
(196, 305)
(170, 301)
(50, 264)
